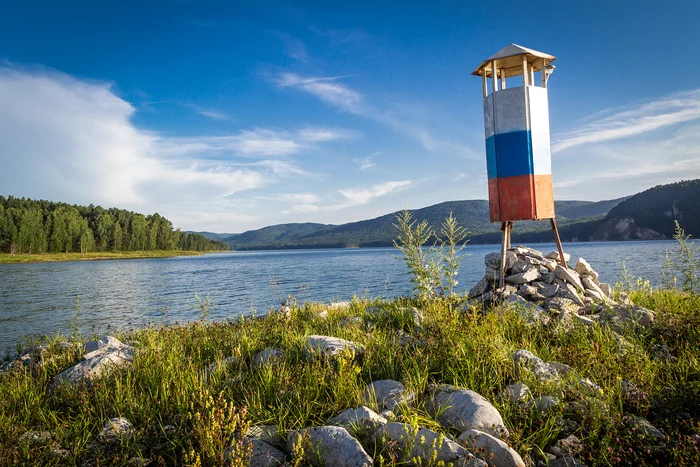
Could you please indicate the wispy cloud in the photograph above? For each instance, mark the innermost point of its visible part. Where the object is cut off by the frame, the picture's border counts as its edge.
(203, 111)
(331, 90)
(366, 163)
(359, 196)
(622, 123)
(259, 142)
(294, 48)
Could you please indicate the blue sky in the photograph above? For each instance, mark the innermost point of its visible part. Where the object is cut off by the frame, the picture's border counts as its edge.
(227, 116)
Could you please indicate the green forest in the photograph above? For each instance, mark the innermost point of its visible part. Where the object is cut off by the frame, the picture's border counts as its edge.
(30, 227)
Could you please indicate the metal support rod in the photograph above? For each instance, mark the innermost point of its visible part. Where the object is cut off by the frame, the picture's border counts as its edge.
(494, 76)
(557, 240)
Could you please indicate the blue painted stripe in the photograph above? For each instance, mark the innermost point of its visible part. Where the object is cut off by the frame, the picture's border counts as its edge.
(509, 154)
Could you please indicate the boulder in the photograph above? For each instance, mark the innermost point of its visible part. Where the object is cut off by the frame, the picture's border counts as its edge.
(570, 445)
(220, 365)
(515, 393)
(464, 409)
(495, 452)
(421, 446)
(267, 433)
(548, 278)
(570, 276)
(267, 356)
(480, 288)
(388, 394)
(333, 444)
(589, 388)
(544, 404)
(529, 311)
(327, 346)
(492, 274)
(530, 275)
(104, 346)
(642, 425)
(116, 429)
(360, 418)
(338, 305)
(493, 260)
(97, 362)
(607, 290)
(583, 268)
(555, 256)
(262, 454)
(541, 369)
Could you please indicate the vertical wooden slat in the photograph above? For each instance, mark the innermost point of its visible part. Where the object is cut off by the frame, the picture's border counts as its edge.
(525, 75)
(494, 76)
(484, 87)
(532, 74)
(544, 73)
(503, 78)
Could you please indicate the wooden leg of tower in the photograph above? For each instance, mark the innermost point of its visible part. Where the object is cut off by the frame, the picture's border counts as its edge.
(504, 228)
(509, 229)
(557, 240)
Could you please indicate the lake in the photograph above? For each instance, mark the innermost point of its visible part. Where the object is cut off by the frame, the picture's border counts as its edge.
(41, 298)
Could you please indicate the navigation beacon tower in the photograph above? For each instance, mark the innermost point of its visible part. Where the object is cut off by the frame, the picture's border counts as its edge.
(516, 122)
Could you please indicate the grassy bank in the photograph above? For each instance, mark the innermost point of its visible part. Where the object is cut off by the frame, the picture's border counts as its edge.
(183, 417)
(6, 258)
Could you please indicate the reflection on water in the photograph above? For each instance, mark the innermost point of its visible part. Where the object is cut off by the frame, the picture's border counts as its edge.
(40, 298)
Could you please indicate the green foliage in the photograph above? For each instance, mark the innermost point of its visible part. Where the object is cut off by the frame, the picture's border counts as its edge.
(182, 417)
(31, 227)
(686, 259)
(433, 271)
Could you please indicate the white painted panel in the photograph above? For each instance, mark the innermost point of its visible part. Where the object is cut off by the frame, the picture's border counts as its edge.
(489, 124)
(539, 128)
(511, 110)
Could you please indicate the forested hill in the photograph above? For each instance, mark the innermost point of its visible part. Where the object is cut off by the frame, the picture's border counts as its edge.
(30, 226)
(473, 214)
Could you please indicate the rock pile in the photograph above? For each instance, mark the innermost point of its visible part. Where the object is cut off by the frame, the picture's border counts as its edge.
(542, 289)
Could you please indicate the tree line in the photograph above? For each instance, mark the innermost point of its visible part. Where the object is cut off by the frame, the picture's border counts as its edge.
(31, 226)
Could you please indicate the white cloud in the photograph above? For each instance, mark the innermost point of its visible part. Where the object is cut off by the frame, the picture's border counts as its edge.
(294, 48)
(303, 198)
(366, 163)
(359, 196)
(332, 91)
(73, 140)
(622, 123)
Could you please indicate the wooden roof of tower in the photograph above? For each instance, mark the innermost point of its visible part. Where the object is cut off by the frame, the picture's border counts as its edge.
(510, 58)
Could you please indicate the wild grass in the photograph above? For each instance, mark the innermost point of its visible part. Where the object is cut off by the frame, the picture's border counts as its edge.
(185, 417)
(95, 255)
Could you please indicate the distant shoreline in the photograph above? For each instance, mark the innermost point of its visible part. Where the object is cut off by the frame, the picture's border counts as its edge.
(6, 258)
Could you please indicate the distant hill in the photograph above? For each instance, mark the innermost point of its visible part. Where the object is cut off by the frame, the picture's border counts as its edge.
(472, 214)
(652, 213)
(211, 235)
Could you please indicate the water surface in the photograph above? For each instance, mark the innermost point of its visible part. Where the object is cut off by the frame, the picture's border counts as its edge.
(41, 298)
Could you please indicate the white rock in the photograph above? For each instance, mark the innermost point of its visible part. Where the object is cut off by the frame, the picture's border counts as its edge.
(545, 404)
(262, 454)
(424, 445)
(493, 260)
(530, 312)
(338, 305)
(642, 425)
(555, 256)
(219, 365)
(334, 445)
(588, 387)
(327, 346)
(104, 346)
(480, 288)
(388, 394)
(530, 275)
(97, 363)
(606, 288)
(515, 393)
(464, 409)
(359, 418)
(495, 452)
(583, 268)
(267, 356)
(116, 429)
(541, 369)
(570, 276)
